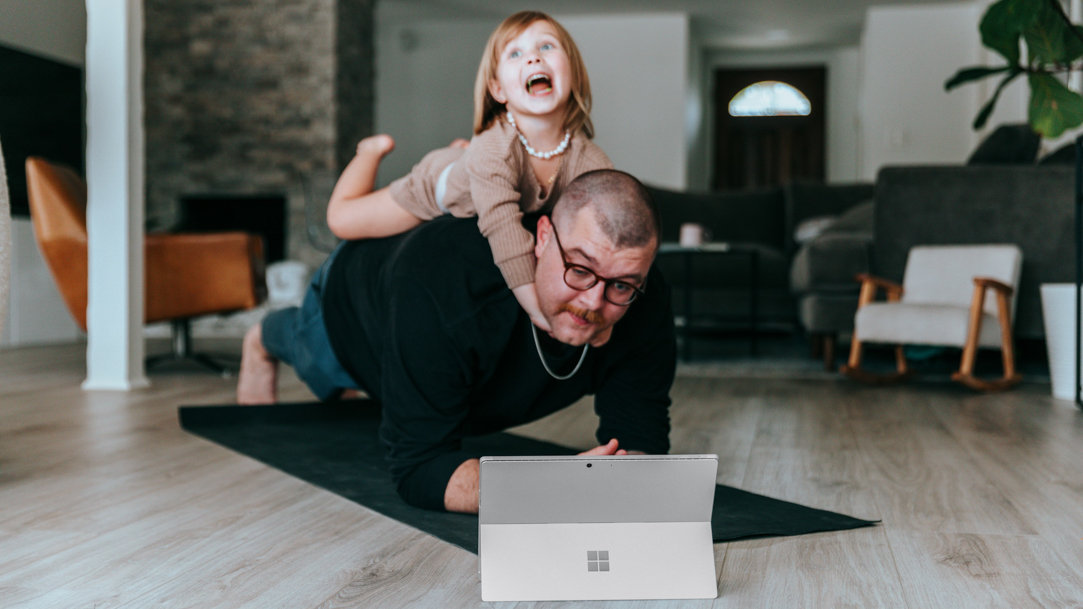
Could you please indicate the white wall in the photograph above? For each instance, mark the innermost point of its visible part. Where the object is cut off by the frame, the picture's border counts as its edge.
(424, 84)
(843, 68)
(639, 75)
(908, 52)
(638, 66)
(55, 29)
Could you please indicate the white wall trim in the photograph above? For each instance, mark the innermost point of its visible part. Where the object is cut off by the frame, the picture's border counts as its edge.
(114, 77)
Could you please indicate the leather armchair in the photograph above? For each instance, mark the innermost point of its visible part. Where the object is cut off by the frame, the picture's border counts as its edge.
(186, 275)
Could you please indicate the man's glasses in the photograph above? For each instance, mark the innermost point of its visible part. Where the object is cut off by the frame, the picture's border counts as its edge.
(579, 277)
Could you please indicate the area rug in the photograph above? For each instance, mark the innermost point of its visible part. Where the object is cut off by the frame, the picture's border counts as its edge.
(334, 446)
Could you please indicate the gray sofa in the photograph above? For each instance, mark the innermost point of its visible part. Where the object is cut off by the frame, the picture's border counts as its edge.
(822, 278)
(1029, 205)
(765, 219)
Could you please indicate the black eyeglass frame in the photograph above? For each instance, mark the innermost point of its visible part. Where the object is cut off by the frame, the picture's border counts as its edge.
(595, 277)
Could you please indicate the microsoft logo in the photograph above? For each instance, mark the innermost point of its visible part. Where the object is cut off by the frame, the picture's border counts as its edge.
(597, 560)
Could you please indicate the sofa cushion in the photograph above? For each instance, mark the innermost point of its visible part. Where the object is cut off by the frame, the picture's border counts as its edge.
(806, 200)
(922, 324)
(1014, 143)
(856, 221)
(830, 263)
(809, 229)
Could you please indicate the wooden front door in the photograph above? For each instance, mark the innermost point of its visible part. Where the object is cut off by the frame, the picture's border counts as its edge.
(755, 151)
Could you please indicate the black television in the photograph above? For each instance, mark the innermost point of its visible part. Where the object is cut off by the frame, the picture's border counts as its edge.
(41, 114)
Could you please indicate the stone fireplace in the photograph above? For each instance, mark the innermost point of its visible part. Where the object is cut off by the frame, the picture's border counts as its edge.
(263, 214)
(245, 98)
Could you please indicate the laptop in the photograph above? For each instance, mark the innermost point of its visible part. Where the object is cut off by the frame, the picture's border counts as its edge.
(596, 528)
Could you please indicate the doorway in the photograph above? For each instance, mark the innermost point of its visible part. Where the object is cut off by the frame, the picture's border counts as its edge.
(753, 151)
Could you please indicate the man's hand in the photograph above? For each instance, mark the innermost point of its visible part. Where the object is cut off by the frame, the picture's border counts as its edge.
(461, 494)
(609, 448)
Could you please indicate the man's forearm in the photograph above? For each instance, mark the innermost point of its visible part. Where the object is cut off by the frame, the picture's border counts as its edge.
(461, 494)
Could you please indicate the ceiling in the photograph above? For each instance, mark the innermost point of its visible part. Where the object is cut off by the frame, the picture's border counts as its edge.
(722, 24)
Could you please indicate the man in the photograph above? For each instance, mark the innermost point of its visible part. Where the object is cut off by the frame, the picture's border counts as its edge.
(424, 324)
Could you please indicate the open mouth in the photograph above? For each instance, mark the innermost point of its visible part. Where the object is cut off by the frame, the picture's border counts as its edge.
(539, 84)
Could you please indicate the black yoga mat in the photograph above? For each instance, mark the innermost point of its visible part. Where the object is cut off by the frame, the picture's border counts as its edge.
(334, 446)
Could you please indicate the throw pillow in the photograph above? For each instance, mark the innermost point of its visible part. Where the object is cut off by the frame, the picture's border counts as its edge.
(811, 228)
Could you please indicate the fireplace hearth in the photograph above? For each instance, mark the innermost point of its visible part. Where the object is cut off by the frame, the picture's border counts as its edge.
(263, 214)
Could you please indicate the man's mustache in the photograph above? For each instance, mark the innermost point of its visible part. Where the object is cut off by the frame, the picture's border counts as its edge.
(593, 317)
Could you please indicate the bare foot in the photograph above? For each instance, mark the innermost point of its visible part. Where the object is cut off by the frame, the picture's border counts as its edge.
(377, 145)
(459, 143)
(257, 382)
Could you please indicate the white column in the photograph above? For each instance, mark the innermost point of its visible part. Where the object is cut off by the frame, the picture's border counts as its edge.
(114, 167)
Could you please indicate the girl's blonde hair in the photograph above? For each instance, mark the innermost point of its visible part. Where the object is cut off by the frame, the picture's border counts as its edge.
(487, 109)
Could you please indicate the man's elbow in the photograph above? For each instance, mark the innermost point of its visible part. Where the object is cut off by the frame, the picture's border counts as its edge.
(461, 494)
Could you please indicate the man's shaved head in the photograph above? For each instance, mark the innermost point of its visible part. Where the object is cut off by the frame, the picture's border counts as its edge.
(621, 206)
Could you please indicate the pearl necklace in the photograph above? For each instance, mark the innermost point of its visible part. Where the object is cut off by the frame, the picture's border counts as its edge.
(537, 345)
(545, 156)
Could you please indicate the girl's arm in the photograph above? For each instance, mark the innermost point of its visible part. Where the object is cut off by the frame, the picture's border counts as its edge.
(528, 300)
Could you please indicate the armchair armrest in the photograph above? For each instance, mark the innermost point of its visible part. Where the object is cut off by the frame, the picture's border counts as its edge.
(189, 274)
(880, 282)
(997, 285)
(869, 286)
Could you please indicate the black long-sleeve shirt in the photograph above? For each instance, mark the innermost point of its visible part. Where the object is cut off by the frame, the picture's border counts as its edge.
(426, 325)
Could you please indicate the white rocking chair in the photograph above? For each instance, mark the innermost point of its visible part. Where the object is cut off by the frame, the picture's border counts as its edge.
(954, 296)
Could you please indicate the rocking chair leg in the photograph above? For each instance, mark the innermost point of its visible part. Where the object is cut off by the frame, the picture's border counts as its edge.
(901, 366)
(965, 375)
(1007, 347)
(854, 370)
(854, 361)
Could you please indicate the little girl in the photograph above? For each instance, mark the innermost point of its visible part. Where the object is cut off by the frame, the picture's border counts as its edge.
(532, 135)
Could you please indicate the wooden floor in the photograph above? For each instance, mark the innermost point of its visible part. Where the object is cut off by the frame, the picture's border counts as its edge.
(106, 503)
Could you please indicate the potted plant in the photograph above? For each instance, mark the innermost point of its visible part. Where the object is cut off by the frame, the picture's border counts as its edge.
(1054, 48)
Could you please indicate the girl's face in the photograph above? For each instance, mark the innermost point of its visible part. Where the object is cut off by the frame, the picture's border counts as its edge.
(533, 77)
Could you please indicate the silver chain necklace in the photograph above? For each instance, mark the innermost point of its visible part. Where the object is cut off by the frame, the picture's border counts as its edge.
(537, 345)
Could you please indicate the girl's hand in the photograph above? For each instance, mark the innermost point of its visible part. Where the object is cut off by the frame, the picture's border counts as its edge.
(528, 300)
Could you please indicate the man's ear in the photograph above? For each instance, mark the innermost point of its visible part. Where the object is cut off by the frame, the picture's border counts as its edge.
(497, 91)
(542, 235)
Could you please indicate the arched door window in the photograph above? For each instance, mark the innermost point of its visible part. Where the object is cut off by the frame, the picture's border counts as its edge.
(770, 98)
(769, 125)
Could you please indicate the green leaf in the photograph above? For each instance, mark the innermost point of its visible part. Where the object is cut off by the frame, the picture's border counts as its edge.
(966, 75)
(1054, 108)
(1003, 25)
(1073, 45)
(1050, 37)
(987, 109)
